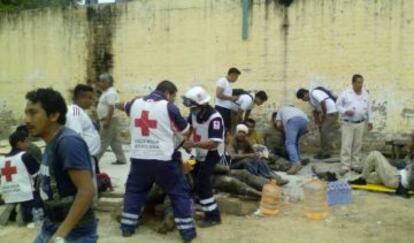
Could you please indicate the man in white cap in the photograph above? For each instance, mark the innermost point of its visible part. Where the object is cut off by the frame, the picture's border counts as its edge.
(207, 137)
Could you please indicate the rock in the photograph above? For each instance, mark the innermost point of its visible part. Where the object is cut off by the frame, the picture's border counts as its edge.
(235, 206)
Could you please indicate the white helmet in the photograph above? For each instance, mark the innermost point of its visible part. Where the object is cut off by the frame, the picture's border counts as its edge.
(196, 95)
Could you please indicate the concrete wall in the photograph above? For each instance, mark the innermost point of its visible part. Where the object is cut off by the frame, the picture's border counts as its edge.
(309, 43)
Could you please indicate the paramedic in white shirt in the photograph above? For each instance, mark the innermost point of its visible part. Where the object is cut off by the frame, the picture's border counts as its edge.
(354, 106)
(224, 96)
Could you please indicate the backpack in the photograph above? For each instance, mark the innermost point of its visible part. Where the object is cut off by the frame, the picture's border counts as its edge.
(238, 92)
(328, 92)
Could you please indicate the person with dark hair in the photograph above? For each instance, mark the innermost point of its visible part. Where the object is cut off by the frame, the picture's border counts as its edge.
(17, 178)
(108, 117)
(225, 97)
(208, 142)
(33, 149)
(154, 122)
(78, 120)
(354, 105)
(245, 103)
(253, 136)
(325, 116)
(66, 185)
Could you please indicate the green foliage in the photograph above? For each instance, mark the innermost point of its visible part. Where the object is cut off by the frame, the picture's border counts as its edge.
(16, 5)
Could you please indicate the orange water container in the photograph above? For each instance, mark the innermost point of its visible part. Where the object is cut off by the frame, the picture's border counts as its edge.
(316, 203)
(269, 204)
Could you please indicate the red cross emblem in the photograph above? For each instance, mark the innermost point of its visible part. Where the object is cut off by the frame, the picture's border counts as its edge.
(8, 171)
(196, 137)
(145, 124)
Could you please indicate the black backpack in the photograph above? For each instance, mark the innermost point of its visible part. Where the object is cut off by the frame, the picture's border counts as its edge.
(328, 92)
(238, 92)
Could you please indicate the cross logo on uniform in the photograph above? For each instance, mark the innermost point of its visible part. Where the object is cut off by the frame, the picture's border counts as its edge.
(145, 123)
(8, 171)
(196, 136)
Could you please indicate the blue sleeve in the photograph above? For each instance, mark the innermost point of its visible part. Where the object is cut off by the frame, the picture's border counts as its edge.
(31, 163)
(74, 154)
(175, 116)
(216, 129)
(127, 106)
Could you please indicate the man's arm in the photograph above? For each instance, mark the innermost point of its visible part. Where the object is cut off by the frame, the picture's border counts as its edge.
(316, 117)
(340, 103)
(247, 114)
(83, 199)
(108, 118)
(120, 106)
(220, 94)
(180, 123)
(279, 126)
(370, 115)
(323, 109)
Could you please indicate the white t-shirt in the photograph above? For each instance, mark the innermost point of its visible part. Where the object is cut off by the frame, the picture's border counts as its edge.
(316, 98)
(288, 112)
(79, 121)
(108, 98)
(245, 102)
(225, 84)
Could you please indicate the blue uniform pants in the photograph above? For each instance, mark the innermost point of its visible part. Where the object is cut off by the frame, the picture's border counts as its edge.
(202, 184)
(168, 175)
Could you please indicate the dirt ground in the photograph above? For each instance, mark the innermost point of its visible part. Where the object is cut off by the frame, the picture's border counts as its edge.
(371, 217)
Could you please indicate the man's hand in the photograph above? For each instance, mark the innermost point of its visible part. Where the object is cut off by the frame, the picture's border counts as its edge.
(234, 98)
(370, 126)
(188, 145)
(106, 123)
(349, 113)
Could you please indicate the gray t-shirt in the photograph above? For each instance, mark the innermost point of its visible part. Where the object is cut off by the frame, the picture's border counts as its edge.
(288, 112)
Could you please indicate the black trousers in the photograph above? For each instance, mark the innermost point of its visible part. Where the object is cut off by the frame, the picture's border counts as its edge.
(226, 114)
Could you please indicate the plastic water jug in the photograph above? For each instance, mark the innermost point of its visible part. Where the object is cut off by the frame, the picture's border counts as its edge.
(339, 192)
(269, 204)
(316, 205)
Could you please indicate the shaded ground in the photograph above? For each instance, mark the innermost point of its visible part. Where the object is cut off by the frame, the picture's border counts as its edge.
(372, 217)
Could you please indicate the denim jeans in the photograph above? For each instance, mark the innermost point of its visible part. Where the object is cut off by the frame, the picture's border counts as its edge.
(294, 129)
(85, 234)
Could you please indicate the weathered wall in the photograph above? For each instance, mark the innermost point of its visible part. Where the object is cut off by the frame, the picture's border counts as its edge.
(309, 43)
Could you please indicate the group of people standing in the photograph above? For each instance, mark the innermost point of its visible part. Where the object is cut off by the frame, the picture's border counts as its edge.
(66, 181)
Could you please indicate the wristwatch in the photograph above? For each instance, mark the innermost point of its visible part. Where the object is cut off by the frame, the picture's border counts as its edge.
(58, 239)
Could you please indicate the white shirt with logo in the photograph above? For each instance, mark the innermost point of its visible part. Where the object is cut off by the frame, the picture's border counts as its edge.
(16, 182)
(359, 104)
(152, 134)
(200, 133)
(78, 120)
